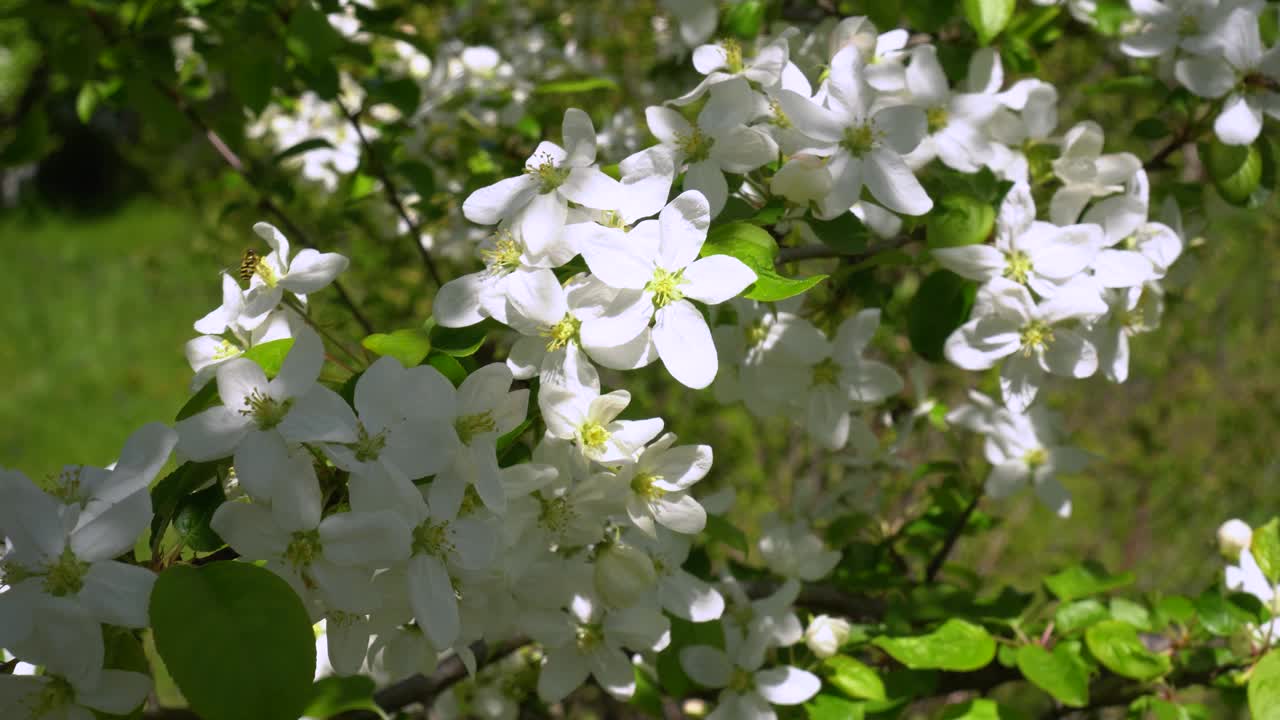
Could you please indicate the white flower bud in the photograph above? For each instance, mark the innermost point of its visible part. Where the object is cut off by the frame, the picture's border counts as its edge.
(1233, 536)
(622, 574)
(825, 635)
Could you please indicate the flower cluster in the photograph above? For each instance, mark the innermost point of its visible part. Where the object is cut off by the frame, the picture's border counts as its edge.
(1215, 50)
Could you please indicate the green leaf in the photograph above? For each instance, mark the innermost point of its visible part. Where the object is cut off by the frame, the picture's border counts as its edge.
(579, 85)
(458, 342)
(409, 346)
(723, 531)
(252, 71)
(941, 304)
(772, 287)
(1224, 616)
(1265, 547)
(1117, 646)
(988, 17)
(757, 249)
(1236, 170)
(978, 710)
(1175, 609)
(845, 232)
(420, 175)
(1074, 616)
(647, 697)
(1264, 688)
(1151, 128)
(300, 148)
(448, 366)
(957, 645)
(833, 707)
(853, 678)
(744, 18)
(1088, 578)
(169, 493)
(1131, 612)
(191, 520)
(333, 695)
(218, 626)
(310, 36)
(1061, 673)
(959, 219)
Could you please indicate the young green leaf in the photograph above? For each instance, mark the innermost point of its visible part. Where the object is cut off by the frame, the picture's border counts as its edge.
(409, 345)
(988, 17)
(1117, 646)
(219, 626)
(1061, 673)
(956, 645)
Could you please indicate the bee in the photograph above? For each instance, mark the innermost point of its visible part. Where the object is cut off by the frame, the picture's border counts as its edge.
(249, 264)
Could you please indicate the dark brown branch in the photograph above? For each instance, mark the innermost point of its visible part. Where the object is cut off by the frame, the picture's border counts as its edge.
(264, 201)
(813, 252)
(937, 561)
(233, 161)
(395, 697)
(423, 689)
(389, 189)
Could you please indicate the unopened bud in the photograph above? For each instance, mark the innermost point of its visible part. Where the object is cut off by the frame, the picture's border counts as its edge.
(1233, 536)
(825, 635)
(623, 574)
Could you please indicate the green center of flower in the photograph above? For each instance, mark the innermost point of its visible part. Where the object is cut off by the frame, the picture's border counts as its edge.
(432, 539)
(304, 547)
(732, 55)
(826, 372)
(11, 573)
(1188, 26)
(588, 637)
(643, 485)
(741, 681)
(468, 426)
(369, 447)
(549, 175)
(696, 145)
(66, 576)
(505, 254)
(264, 270)
(1035, 458)
(1017, 267)
(226, 349)
(555, 514)
(777, 115)
(1036, 336)
(859, 139)
(937, 118)
(55, 695)
(756, 332)
(66, 486)
(613, 219)
(562, 333)
(593, 435)
(665, 287)
(265, 410)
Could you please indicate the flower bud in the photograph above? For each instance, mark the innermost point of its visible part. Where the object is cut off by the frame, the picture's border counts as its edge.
(623, 574)
(1233, 536)
(825, 635)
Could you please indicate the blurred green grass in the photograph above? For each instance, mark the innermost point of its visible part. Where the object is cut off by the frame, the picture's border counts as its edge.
(96, 314)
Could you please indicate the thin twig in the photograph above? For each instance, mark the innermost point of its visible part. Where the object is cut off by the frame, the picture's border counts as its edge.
(813, 252)
(389, 189)
(936, 562)
(264, 201)
(233, 161)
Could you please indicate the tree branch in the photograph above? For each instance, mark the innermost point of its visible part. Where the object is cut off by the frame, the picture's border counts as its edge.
(389, 189)
(937, 561)
(813, 252)
(264, 201)
(235, 163)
